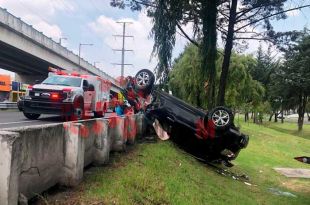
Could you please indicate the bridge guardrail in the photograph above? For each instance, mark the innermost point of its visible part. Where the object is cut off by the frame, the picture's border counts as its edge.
(35, 158)
(8, 105)
(27, 30)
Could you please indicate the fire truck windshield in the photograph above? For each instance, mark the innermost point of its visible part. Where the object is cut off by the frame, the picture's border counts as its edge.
(62, 80)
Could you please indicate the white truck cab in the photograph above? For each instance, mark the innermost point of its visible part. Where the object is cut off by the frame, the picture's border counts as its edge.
(70, 95)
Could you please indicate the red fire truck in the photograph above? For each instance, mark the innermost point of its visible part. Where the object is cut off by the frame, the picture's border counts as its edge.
(70, 95)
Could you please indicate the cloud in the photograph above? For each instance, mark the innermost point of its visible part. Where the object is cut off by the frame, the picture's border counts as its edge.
(39, 13)
(42, 8)
(141, 43)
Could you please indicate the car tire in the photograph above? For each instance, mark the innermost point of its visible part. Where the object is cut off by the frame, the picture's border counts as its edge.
(31, 116)
(144, 80)
(78, 112)
(221, 117)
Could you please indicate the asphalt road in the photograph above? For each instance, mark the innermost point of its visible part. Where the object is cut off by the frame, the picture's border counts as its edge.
(14, 118)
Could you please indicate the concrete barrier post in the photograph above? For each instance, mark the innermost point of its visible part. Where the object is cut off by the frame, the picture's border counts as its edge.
(116, 133)
(102, 142)
(131, 128)
(141, 127)
(73, 155)
(10, 160)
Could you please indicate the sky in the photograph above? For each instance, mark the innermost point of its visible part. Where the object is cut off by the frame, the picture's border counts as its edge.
(95, 22)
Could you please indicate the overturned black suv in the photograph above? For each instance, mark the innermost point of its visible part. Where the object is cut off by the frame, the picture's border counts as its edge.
(209, 135)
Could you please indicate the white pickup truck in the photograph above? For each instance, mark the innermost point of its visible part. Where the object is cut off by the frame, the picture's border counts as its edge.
(69, 95)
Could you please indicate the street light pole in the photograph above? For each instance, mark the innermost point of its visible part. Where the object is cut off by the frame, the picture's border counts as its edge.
(96, 63)
(80, 47)
(60, 39)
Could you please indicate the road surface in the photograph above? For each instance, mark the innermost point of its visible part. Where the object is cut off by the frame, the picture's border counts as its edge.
(14, 118)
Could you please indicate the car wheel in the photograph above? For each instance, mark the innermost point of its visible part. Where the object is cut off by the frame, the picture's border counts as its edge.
(221, 117)
(144, 80)
(78, 113)
(31, 116)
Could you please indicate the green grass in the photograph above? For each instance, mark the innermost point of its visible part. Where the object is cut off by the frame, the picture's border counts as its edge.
(290, 128)
(160, 173)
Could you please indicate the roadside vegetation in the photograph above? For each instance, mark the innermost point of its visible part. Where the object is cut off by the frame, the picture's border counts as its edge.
(273, 82)
(161, 173)
(258, 86)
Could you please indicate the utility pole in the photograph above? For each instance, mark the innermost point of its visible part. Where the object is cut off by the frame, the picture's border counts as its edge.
(123, 50)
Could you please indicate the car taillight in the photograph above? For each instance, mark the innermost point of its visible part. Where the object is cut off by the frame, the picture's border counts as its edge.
(30, 87)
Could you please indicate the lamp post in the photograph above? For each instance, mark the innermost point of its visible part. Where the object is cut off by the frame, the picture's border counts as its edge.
(96, 62)
(80, 46)
(60, 39)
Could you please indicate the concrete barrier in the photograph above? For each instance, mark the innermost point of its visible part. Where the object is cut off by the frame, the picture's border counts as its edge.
(33, 159)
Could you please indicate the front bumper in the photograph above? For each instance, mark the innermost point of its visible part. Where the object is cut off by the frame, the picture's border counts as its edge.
(54, 108)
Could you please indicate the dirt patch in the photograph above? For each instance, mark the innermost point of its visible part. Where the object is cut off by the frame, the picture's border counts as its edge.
(295, 186)
(293, 172)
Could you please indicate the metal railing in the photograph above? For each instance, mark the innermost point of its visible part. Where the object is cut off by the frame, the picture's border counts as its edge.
(8, 105)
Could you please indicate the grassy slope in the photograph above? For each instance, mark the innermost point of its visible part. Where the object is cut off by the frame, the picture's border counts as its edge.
(160, 173)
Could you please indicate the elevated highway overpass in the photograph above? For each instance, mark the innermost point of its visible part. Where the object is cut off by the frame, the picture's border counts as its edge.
(29, 53)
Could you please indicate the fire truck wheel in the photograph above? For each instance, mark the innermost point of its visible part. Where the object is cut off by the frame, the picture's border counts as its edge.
(31, 116)
(78, 110)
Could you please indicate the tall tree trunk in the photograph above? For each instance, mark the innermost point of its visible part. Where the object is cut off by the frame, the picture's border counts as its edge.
(276, 116)
(270, 118)
(255, 117)
(246, 116)
(209, 50)
(227, 53)
(301, 111)
(282, 118)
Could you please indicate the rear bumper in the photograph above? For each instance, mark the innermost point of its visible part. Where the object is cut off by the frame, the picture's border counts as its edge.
(55, 108)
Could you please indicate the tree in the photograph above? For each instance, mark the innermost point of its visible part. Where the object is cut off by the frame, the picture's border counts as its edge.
(168, 17)
(294, 77)
(242, 90)
(265, 67)
(240, 25)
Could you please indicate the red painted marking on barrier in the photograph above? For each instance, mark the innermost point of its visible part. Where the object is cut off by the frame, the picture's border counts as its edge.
(130, 128)
(71, 128)
(98, 128)
(84, 131)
